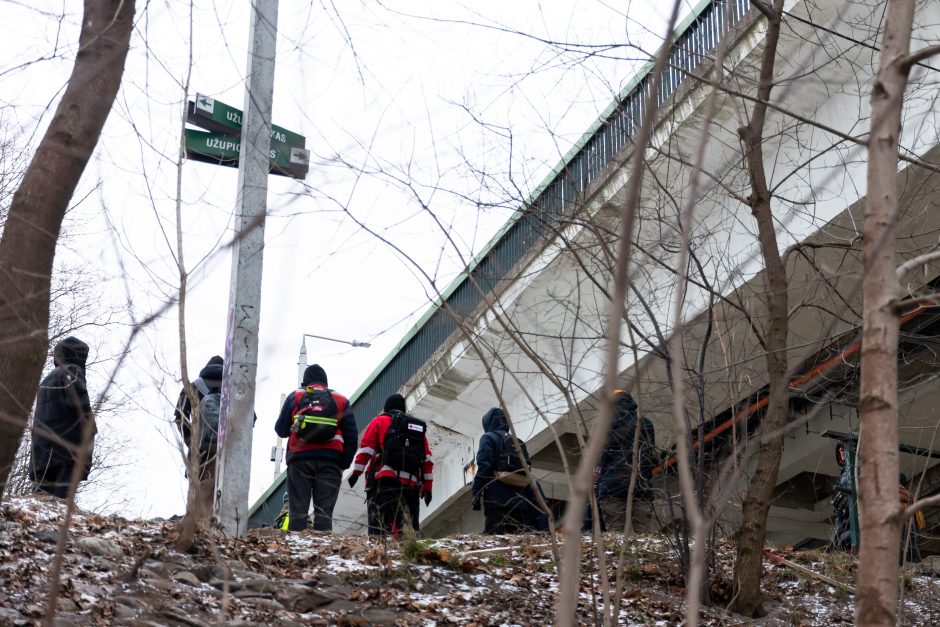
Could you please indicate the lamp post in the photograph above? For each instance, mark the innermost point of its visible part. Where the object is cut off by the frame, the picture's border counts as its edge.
(277, 451)
(302, 358)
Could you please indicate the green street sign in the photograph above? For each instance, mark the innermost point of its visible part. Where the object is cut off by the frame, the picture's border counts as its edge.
(214, 115)
(222, 149)
(288, 153)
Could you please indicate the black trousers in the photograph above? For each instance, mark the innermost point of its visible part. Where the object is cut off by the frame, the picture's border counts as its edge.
(317, 479)
(372, 512)
(516, 516)
(394, 503)
(53, 479)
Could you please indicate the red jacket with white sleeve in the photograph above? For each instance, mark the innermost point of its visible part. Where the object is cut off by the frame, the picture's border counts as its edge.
(370, 450)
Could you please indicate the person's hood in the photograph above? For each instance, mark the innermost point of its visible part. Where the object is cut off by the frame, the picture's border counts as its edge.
(212, 375)
(495, 420)
(625, 404)
(71, 350)
(215, 359)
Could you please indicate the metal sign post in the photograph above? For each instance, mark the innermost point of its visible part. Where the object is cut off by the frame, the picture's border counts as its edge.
(233, 470)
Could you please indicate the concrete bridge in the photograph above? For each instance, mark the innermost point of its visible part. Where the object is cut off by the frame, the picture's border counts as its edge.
(523, 326)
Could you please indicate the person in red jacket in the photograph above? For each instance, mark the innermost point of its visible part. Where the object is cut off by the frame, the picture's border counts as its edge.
(395, 448)
(315, 469)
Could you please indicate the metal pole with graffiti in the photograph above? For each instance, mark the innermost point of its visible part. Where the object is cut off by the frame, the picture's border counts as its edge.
(241, 346)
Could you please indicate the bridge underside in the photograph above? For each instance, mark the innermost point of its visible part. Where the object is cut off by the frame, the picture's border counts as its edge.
(534, 343)
(825, 329)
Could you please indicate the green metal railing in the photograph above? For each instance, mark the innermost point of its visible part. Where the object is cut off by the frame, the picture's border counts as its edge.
(612, 134)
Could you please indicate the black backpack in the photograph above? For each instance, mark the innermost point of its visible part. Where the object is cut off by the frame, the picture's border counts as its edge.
(315, 415)
(509, 468)
(508, 459)
(209, 409)
(403, 447)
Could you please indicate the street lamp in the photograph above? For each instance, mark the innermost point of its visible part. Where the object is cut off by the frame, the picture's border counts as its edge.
(302, 358)
(277, 451)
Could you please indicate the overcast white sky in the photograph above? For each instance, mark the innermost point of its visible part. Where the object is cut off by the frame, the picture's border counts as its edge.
(409, 108)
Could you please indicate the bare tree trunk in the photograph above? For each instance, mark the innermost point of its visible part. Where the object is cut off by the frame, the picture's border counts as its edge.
(28, 245)
(199, 495)
(752, 533)
(581, 483)
(879, 508)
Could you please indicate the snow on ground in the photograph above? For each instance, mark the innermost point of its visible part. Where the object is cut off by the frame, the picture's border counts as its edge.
(117, 571)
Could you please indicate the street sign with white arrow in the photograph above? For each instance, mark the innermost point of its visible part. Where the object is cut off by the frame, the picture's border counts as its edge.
(289, 156)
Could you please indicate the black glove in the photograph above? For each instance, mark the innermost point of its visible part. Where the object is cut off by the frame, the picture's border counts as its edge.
(427, 499)
(475, 505)
(353, 478)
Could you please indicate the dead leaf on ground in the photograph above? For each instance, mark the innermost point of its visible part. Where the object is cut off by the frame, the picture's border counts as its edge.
(375, 556)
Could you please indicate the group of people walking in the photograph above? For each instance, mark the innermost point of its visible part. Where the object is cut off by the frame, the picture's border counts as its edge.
(322, 439)
(393, 456)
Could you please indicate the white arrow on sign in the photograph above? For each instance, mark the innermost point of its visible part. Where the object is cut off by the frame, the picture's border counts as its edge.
(205, 103)
(300, 156)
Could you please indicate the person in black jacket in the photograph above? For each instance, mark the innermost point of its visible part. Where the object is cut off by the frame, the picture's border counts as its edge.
(62, 421)
(616, 466)
(314, 469)
(506, 508)
(208, 382)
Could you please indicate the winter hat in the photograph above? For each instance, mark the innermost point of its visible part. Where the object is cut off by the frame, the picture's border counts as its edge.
(211, 372)
(393, 402)
(215, 360)
(314, 374)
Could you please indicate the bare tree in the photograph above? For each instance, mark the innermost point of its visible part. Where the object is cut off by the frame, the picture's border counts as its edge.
(199, 493)
(879, 509)
(750, 546)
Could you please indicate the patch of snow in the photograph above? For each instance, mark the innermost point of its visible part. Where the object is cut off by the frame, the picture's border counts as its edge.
(423, 600)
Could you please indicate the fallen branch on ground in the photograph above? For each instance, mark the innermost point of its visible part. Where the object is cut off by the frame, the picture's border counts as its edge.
(773, 557)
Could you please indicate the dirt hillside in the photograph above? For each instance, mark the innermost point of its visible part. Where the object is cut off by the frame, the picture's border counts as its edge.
(123, 572)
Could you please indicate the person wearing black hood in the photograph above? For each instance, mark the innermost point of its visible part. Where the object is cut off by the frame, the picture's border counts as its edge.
(509, 506)
(315, 465)
(206, 391)
(617, 465)
(63, 419)
(209, 379)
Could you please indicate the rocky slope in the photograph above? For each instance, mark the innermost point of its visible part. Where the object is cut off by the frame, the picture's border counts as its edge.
(123, 572)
